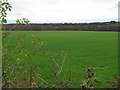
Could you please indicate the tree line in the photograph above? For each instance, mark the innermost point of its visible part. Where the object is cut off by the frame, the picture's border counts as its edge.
(112, 26)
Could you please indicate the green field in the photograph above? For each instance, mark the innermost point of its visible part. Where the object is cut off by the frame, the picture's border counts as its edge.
(84, 49)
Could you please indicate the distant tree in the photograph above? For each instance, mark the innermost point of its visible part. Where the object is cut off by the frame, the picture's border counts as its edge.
(112, 22)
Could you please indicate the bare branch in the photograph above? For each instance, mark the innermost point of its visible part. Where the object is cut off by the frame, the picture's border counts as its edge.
(68, 84)
(61, 66)
(41, 78)
(55, 62)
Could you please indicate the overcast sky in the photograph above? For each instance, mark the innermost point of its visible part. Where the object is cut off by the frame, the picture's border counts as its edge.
(61, 11)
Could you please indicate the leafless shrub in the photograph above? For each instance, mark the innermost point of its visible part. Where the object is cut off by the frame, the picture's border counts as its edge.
(90, 76)
(115, 83)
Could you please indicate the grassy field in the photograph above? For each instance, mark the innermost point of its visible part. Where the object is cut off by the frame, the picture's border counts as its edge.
(83, 49)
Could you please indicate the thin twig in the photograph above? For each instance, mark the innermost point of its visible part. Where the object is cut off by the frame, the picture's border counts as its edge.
(68, 84)
(41, 78)
(55, 62)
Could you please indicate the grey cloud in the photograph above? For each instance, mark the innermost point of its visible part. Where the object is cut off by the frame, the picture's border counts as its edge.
(104, 0)
(52, 1)
(63, 10)
(119, 4)
(11, 21)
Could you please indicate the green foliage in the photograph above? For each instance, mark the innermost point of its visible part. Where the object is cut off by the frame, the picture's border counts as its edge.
(4, 7)
(22, 21)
